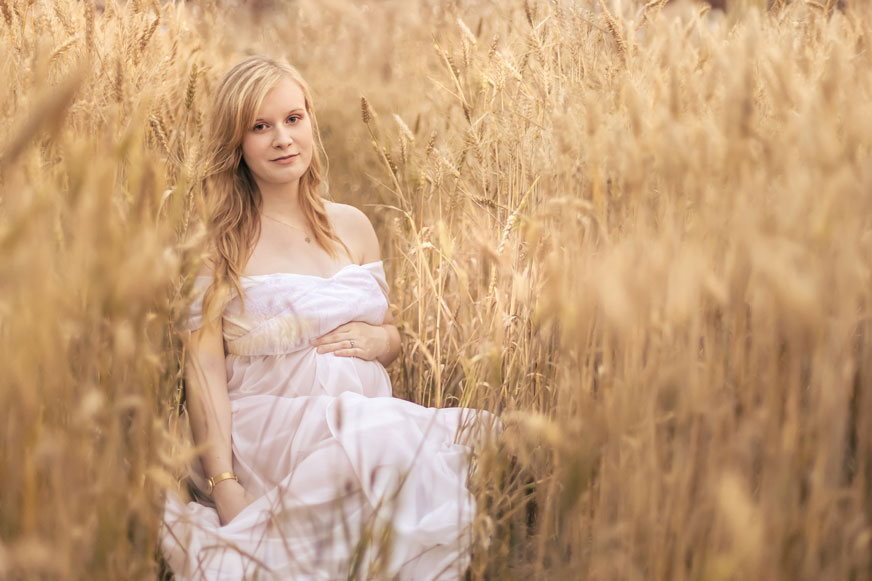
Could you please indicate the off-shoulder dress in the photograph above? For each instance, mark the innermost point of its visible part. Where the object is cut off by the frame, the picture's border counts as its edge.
(348, 480)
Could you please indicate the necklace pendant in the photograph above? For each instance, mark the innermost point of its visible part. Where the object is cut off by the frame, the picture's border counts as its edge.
(305, 236)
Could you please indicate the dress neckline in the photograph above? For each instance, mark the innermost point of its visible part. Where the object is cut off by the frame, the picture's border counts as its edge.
(300, 274)
(303, 275)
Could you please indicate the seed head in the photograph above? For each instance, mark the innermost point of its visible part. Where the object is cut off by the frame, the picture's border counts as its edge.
(364, 111)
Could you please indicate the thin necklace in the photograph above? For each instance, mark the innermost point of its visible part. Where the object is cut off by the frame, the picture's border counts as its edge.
(308, 240)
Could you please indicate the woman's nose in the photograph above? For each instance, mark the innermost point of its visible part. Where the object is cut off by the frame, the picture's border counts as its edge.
(282, 137)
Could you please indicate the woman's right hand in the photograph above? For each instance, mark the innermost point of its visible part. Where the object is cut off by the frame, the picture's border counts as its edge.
(230, 498)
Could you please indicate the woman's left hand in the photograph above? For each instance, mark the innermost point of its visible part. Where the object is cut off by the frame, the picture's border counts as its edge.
(354, 339)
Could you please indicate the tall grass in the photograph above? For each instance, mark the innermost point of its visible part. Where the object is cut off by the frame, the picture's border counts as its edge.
(639, 233)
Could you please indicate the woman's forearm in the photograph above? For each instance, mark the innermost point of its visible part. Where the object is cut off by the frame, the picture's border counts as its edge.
(392, 346)
(209, 405)
(210, 417)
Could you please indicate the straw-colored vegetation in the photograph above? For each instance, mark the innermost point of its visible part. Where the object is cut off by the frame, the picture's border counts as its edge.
(643, 235)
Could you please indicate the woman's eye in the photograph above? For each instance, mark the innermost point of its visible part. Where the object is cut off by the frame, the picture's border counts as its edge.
(293, 118)
(259, 126)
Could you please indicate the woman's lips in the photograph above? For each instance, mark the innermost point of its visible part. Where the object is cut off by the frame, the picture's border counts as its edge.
(286, 159)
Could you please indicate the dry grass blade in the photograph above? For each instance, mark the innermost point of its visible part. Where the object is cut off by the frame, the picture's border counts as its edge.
(614, 28)
(47, 112)
(59, 51)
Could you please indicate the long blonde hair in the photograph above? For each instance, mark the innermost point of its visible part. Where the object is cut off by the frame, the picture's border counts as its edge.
(233, 200)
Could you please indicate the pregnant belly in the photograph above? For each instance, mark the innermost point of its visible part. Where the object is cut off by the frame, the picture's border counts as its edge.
(304, 373)
(335, 375)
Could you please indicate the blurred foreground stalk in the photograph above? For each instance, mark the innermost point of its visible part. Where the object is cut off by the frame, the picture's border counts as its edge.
(642, 236)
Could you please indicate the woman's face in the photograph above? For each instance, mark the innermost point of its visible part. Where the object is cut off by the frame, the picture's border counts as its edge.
(278, 146)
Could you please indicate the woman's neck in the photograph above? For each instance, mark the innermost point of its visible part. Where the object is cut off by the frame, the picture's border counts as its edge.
(280, 200)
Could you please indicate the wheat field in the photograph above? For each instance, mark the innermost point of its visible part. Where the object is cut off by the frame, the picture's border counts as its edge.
(642, 234)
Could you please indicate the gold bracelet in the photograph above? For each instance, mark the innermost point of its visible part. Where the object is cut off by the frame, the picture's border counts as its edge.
(220, 478)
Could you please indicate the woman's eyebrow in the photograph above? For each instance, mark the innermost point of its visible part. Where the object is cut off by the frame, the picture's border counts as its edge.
(296, 110)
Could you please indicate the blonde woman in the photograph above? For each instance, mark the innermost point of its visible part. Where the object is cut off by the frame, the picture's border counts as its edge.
(313, 469)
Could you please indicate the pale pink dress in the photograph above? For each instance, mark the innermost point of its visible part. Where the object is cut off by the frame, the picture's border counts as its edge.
(330, 456)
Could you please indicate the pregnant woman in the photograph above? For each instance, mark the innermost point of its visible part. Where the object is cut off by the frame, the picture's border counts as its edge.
(313, 469)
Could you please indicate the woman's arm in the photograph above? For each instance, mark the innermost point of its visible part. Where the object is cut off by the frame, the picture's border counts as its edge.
(392, 339)
(379, 342)
(209, 413)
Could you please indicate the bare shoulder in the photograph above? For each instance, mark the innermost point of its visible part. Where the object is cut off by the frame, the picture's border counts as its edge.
(355, 229)
(346, 216)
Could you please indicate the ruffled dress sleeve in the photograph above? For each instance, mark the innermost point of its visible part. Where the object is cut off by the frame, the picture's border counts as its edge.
(377, 269)
(195, 315)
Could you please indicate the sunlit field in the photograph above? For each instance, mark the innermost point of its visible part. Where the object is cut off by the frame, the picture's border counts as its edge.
(641, 234)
